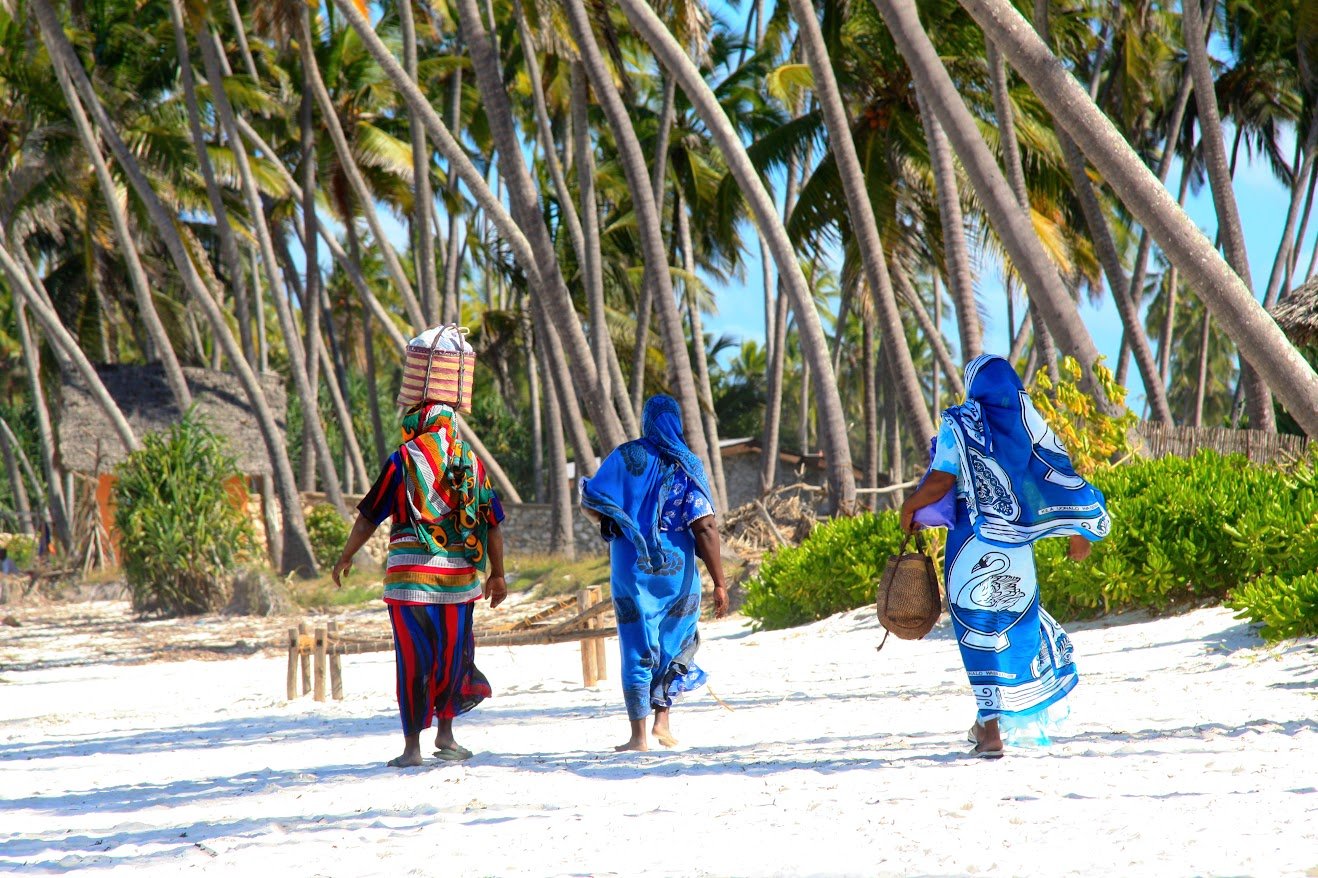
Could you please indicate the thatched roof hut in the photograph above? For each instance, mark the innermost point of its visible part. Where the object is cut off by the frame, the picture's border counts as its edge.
(146, 401)
(1297, 314)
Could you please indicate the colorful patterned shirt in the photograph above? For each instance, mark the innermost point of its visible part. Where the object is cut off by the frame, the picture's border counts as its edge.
(412, 575)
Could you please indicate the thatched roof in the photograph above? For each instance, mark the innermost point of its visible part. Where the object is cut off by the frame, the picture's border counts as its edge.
(147, 403)
(1297, 314)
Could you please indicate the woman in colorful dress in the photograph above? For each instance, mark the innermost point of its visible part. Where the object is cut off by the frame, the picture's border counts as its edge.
(1014, 485)
(654, 507)
(445, 530)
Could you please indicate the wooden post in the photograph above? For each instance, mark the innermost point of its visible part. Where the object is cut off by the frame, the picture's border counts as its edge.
(321, 637)
(589, 671)
(601, 656)
(305, 661)
(336, 664)
(292, 663)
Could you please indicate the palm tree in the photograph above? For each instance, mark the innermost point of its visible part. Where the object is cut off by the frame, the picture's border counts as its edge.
(648, 225)
(833, 432)
(863, 224)
(297, 553)
(1014, 227)
(1226, 293)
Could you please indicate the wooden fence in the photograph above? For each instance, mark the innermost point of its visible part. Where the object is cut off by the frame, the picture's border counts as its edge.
(1161, 440)
(317, 653)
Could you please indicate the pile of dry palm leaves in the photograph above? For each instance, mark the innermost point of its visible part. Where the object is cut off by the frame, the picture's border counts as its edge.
(784, 517)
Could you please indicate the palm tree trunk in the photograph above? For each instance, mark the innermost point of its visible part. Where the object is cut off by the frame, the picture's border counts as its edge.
(1226, 293)
(535, 391)
(956, 255)
(814, 345)
(1014, 227)
(526, 206)
(701, 359)
(932, 333)
(230, 255)
(592, 262)
(1201, 386)
(24, 285)
(561, 541)
(777, 359)
(452, 312)
(553, 303)
(352, 173)
(22, 506)
(298, 366)
(644, 308)
(297, 553)
(137, 278)
(1299, 188)
(1258, 398)
(863, 224)
(869, 366)
(312, 291)
(59, 517)
(16, 466)
(648, 224)
(1300, 235)
(423, 198)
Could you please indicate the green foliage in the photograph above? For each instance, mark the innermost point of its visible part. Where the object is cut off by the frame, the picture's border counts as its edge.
(1092, 438)
(836, 568)
(1285, 607)
(21, 548)
(1186, 532)
(181, 521)
(328, 532)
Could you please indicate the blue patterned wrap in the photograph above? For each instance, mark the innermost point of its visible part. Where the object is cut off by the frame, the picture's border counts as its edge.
(649, 492)
(1015, 484)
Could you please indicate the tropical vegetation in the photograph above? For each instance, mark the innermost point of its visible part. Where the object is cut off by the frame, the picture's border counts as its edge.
(292, 188)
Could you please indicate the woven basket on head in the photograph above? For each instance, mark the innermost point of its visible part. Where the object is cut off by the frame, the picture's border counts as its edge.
(909, 601)
(432, 374)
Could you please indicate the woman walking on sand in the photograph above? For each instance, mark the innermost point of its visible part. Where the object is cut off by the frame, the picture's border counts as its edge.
(1014, 485)
(654, 507)
(445, 529)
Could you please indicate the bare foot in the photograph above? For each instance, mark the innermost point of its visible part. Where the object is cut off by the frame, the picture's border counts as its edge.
(661, 731)
(636, 745)
(407, 760)
(988, 738)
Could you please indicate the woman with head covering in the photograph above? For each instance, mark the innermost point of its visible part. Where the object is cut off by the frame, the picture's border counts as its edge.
(654, 507)
(445, 529)
(1014, 484)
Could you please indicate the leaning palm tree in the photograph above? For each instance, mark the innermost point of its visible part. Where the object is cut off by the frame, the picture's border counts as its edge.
(1227, 295)
(1013, 226)
(833, 431)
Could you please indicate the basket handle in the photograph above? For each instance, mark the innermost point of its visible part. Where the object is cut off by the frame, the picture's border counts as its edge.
(462, 358)
(919, 543)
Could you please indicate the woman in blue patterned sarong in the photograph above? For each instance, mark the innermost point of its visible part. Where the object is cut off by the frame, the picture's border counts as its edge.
(1014, 484)
(654, 508)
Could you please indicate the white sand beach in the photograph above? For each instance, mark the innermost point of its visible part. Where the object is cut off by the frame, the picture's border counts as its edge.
(1193, 751)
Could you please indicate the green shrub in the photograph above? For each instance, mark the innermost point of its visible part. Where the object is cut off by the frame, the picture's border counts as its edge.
(181, 521)
(1185, 532)
(1284, 607)
(21, 548)
(328, 532)
(836, 568)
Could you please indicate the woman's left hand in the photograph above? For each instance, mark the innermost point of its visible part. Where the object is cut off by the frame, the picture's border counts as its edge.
(496, 589)
(1079, 548)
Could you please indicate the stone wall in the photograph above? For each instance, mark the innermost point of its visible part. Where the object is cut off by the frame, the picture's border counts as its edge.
(526, 530)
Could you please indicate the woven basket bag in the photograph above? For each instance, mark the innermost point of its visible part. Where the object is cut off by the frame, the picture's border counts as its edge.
(909, 600)
(434, 375)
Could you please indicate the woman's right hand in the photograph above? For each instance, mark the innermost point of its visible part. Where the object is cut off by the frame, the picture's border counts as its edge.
(908, 516)
(342, 568)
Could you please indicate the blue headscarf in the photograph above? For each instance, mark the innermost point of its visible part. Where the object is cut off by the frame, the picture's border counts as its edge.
(1022, 486)
(632, 481)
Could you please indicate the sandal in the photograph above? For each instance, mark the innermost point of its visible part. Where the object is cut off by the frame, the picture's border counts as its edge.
(453, 754)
